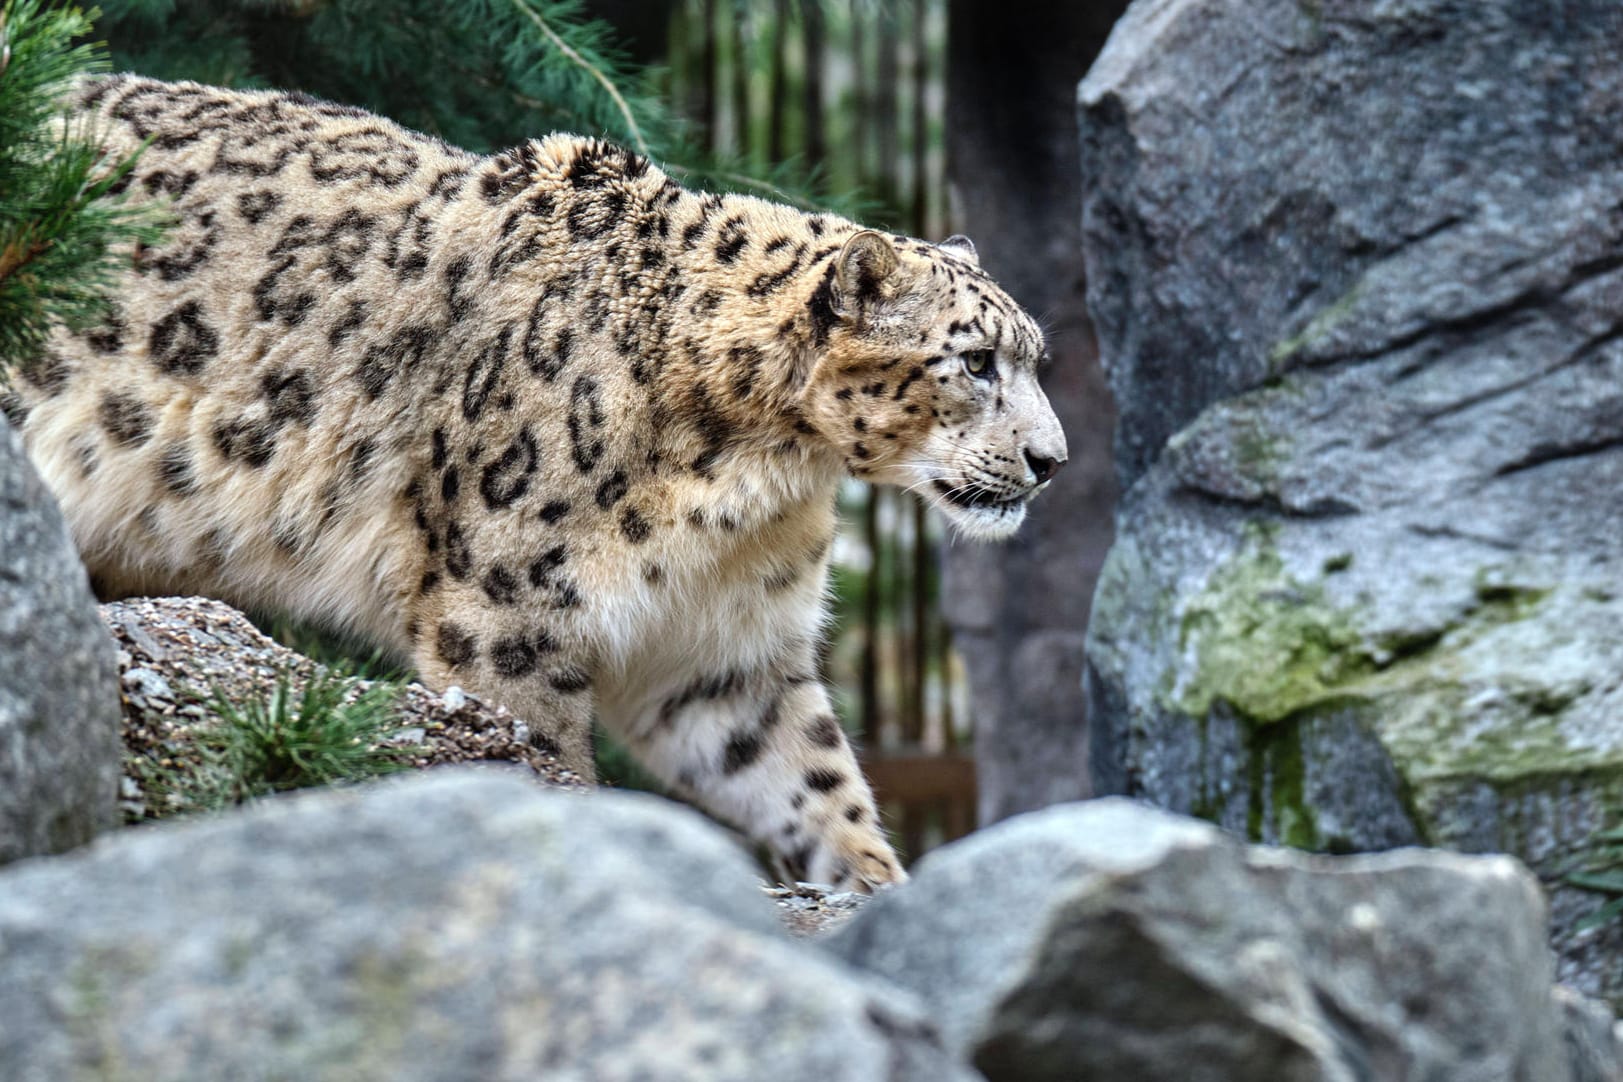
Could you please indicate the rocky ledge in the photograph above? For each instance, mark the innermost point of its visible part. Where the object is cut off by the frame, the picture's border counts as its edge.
(178, 657)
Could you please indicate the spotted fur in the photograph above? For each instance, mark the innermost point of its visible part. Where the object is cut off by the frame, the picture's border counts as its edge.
(545, 424)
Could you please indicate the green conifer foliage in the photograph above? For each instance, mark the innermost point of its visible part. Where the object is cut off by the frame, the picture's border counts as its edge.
(480, 74)
(60, 240)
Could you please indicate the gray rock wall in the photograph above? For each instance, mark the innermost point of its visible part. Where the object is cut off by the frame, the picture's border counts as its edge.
(1357, 271)
(59, 719)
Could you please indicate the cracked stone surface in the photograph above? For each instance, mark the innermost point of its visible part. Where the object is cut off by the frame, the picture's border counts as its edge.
(1357, 271)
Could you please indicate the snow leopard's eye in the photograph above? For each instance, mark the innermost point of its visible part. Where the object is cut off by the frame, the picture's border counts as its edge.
(980, 364)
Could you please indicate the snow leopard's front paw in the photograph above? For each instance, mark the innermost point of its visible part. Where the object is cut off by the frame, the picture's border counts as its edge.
(849, 856)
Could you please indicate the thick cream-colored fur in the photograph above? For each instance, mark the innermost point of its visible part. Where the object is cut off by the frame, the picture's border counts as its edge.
(544, 424)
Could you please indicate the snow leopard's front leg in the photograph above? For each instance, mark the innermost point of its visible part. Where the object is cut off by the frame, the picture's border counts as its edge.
(522, 657)
(764, 750)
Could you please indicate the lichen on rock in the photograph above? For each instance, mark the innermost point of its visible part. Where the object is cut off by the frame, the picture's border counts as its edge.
(1371, 395)
(1266, 643)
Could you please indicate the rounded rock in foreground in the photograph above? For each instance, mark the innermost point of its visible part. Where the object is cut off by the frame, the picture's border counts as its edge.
(458, 924)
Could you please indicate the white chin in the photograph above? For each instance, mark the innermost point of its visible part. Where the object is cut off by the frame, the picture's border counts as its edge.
(992, 523)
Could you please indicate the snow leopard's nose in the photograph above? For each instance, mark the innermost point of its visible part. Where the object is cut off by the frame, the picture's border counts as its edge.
(1043, 468)
(1041, 439)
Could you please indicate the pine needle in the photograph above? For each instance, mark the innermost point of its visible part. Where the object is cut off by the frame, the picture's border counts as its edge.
(331, 732)
(62, 238)
(1600, 871)
(596, 72)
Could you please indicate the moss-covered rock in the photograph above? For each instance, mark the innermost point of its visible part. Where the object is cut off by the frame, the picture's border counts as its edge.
(1293, 697)
(1363, 332)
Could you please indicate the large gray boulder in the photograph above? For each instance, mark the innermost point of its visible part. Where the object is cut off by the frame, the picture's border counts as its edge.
(59, 749)
(1357, 270)
(1109, 940)
(461, 924)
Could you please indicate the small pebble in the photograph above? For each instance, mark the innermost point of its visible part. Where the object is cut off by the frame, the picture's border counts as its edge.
(454, 698)
(148, 683)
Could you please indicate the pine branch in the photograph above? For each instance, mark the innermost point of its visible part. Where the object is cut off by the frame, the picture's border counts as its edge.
(483, 74)
(59, 234)
(728, 178)
(596, 73)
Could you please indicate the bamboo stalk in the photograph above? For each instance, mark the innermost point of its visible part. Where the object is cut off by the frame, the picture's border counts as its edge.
(778, 95)
(743, 130)
(815, 141)
(885, 110)
(709, 100)
(921, 120)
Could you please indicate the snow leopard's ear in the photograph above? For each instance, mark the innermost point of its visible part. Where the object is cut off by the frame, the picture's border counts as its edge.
(962, 247)
(864, 268)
